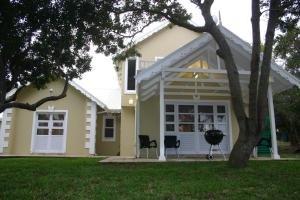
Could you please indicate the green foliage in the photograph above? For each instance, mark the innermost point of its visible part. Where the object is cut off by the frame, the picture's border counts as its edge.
(42, 40)
(287, 48)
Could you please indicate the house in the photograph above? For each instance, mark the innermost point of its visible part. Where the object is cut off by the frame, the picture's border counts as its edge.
(178, 86)
(77, 125)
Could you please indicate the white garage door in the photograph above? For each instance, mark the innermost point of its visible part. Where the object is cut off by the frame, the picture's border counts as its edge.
(49, 134)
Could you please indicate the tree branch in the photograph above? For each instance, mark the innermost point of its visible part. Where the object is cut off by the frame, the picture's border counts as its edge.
(35, 105)
(255, 60)
(266, 63)
(15, 95)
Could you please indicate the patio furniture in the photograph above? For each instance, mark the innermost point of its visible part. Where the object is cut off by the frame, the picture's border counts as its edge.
(214, 138)
(172, 142)
(145, 143)
(265, 142)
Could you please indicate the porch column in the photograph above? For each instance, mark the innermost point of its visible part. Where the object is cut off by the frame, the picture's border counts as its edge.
(272, 123)
(137, 122)
(162, 119)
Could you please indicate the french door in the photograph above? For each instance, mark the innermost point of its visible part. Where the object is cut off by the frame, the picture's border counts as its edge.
(189, 121)
(49, 132)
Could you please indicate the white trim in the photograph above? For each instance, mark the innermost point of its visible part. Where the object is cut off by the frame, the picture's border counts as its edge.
(185, 87)
(34, 128)
(162, 120)
(89, 95)
(137, 60)
(137, 123)
(145, 98)
(113, 139)
(2, 131)
(200, 94)
(275, 154)
(208, 71)
(92, 135)
(157, 58)
(203, 80)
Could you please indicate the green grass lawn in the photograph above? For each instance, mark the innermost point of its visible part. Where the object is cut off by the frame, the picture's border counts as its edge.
(85, 178)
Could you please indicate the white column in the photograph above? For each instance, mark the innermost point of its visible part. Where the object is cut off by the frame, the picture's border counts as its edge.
(92, 141)
(137, 122)
(162, 119)
(273, 125)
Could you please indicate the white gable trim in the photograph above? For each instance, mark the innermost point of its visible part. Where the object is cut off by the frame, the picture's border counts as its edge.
(173, 58)
(193, 46)
(88, 95)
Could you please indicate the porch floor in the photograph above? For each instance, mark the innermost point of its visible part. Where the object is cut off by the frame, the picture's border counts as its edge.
(123, 159)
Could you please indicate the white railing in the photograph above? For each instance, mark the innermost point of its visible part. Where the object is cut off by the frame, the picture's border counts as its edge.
(145, 63)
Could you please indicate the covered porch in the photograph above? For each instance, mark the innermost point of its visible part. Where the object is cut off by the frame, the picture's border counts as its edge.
(187, 93)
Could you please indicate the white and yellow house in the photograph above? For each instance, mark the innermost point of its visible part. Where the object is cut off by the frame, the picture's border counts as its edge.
(178, 86)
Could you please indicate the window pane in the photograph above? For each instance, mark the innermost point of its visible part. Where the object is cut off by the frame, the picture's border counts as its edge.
(58, 124)
(131, 74)
(186, 118)
(186, 108)
(169, 118)
(57, 131)
(186, 128)
(221, 109)
(169, 108)
(205, 127)
(206, 118)
(42, 131)
(43, 116)
(170, 127)
(221, 119)
(109, 133)
(45, 124)
(109, 122)
(58, 116)
(205, 109)
(222, 127)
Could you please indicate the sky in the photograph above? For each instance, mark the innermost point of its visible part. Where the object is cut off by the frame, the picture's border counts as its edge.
(235, 15)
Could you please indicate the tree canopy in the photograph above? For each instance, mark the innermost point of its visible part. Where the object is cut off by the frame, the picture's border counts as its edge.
(42, 40)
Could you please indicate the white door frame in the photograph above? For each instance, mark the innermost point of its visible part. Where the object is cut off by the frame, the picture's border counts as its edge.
(34, 129)
(227, 104)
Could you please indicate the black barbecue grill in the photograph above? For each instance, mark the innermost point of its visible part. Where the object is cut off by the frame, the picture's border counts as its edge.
(214, 137)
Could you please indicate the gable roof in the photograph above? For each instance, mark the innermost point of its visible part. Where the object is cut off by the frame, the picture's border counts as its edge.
(194, 46)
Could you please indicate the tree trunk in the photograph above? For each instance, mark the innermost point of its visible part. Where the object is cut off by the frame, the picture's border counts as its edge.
(243, 147)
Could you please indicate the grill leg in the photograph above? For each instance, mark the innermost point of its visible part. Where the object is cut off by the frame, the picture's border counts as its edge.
(211, 150)
(147, 153)
(222, 152)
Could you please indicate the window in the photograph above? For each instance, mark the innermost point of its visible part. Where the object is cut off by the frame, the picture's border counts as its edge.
(50, 124)
(109, 127)
(130, 72)
(170, 118)
(191, 118)
(186, 118)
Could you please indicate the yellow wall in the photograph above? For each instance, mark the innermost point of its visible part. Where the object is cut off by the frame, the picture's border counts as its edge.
(128, 140)
(159, 44)
(107, 148)
(75, 103)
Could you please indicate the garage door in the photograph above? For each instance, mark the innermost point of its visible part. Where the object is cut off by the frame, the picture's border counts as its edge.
(49, 132)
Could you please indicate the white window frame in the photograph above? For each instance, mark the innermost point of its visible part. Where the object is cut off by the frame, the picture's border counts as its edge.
(137, 60)
(157, 58)
(34, 129)
(105, 139)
